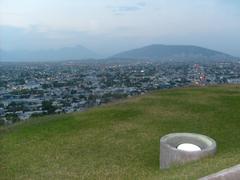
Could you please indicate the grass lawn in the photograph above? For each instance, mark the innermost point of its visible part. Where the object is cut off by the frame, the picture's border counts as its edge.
(121, 140)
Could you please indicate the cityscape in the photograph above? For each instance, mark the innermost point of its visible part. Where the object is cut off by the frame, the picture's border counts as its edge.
(36, 89)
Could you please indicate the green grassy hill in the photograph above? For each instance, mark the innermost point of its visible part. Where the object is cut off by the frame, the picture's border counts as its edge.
(121, 140)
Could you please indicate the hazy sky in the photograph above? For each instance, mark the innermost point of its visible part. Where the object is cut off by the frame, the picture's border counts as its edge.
(109, 26)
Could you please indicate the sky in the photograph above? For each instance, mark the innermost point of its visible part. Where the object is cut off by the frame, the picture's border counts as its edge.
(111, 26)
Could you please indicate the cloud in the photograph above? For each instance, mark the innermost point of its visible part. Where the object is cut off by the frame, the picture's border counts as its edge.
(122, 9)
(141, 4)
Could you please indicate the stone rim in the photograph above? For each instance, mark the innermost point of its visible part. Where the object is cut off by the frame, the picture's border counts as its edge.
(209, 142)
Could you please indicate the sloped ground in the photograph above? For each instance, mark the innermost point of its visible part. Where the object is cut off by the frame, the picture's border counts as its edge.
(121, 140)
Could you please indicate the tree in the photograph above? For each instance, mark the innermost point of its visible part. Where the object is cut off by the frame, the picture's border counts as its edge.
(47, 105)
(2, 122)
(1, 105)
(12, 117)
(13, 106)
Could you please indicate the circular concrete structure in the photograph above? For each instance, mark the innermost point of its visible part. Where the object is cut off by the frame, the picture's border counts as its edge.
(171, 155)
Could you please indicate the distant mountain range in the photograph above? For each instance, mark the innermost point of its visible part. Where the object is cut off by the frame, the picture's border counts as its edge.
(159, 53)
(173, 53)
(68, 53)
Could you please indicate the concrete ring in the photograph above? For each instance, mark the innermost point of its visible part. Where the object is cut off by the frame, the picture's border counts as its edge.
(171, 155)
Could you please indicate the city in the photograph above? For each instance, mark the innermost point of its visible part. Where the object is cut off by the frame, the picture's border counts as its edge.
(35, 89)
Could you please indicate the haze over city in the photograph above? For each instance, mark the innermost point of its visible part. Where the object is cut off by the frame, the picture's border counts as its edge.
(108, 27)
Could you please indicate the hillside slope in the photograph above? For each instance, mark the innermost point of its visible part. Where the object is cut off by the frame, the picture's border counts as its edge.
(174, 53)
(68, 53)
(121, 140)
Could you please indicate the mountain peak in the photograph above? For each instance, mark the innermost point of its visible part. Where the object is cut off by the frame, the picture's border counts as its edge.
(67, 53)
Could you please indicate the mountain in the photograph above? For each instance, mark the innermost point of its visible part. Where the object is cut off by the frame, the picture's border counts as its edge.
(68, 53)
(156, 52)
(173, 53)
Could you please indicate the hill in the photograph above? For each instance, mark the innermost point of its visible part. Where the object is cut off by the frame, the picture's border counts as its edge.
(121, 140)
(174, 53)
(67, 53)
